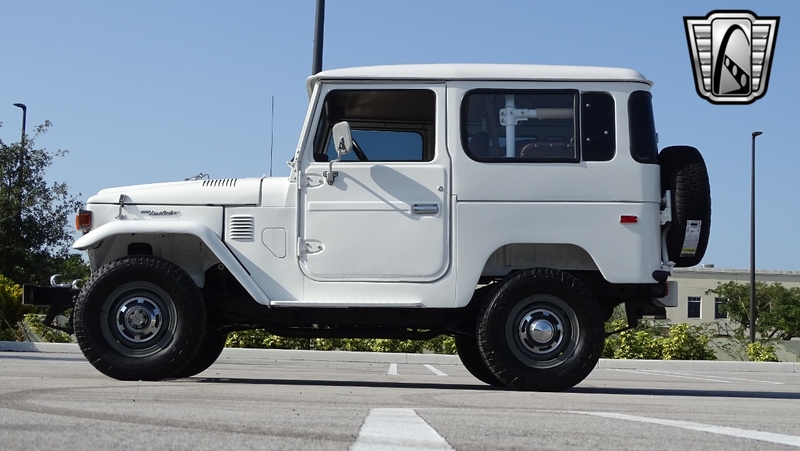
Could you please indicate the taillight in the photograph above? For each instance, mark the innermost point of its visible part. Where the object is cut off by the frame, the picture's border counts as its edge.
(83, 220)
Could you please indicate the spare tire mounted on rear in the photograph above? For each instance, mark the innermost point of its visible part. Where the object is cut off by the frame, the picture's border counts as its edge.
(684, 174)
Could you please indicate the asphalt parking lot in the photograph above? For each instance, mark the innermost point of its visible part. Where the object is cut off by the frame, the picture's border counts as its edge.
(255, 399)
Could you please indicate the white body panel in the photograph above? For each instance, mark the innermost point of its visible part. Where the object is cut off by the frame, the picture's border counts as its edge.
(404, 234)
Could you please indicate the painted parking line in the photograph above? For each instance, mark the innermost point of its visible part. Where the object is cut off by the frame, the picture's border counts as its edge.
(434, 370)
(670, 375)
(392, 369)
(771, 437)
(706, 378)
(718, 378)
(397, 429)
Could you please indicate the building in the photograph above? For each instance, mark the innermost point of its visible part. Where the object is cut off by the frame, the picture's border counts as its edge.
(696, 307)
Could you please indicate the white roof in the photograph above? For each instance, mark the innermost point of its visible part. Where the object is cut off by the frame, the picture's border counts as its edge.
(524, 72)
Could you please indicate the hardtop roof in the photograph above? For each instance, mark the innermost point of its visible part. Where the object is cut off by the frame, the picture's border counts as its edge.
(506, 72)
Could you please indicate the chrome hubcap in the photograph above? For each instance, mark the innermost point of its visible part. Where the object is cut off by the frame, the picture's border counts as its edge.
(138, 319)
(540, 331)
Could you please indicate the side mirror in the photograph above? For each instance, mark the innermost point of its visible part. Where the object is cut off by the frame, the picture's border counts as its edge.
(343, 141)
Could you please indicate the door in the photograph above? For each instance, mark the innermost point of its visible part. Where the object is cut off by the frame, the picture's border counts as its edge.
(386, 215)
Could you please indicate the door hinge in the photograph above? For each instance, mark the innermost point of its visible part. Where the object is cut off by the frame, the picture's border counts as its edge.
(309, 247)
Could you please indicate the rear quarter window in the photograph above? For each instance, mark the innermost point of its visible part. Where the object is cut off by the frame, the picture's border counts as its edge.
(644, 144)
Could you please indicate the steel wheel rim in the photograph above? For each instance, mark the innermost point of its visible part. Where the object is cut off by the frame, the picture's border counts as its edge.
(138, 319)
(542, 331)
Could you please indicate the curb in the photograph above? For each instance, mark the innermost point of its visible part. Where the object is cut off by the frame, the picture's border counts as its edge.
(441, 359)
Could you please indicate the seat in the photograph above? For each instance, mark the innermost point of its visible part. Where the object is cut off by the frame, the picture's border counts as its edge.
(479, 145)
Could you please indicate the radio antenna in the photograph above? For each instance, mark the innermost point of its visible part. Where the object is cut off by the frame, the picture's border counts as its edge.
(271, 133)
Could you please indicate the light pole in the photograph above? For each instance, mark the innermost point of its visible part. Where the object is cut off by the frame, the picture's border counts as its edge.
(319, 34)
(753, 240)
(24, 120)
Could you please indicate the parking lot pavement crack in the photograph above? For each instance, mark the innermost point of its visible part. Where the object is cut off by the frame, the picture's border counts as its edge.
(24, 400)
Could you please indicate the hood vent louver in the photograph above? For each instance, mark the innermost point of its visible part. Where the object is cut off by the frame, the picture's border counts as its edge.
(242, 228)
(220, 183)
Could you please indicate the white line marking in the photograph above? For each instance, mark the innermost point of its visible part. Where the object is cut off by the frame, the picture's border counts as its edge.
(719, 377)
(392, 369)
(770, 437)
(672, 375)
(397, 429)
(434, 370)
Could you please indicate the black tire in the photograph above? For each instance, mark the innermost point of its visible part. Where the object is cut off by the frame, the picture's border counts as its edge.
(541, 330)
(684, 174)
(209, 351)
(471, 357)
(140, 318)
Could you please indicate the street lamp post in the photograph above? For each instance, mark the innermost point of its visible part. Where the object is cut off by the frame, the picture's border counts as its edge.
(753, 240)
(24, 120)
(319, 34)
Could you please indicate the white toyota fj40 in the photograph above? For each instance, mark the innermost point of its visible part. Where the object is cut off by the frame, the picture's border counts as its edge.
(511, 206)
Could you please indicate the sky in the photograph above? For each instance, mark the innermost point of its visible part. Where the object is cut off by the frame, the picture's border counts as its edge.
(154, 91)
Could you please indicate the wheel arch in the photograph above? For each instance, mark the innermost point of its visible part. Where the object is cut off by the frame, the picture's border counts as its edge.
(200, 248)
(518, 256)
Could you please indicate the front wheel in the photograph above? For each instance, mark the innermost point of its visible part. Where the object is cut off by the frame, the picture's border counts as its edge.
(209, 352)
(541, 330)
(140, 318)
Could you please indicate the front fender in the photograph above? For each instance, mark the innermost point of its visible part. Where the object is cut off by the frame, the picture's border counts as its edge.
(201, 231)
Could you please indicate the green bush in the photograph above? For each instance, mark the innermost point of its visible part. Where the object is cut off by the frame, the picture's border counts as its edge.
(680, 342)
(761, 352)
(685, 342)
(259, 338)
(11, 310)
(639, 344)
(49, 335)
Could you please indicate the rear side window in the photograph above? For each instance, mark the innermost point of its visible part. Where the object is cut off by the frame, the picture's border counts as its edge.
(503, 126)
(644, 144)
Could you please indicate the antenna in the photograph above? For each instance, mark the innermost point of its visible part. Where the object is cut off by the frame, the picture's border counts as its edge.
(271, 133)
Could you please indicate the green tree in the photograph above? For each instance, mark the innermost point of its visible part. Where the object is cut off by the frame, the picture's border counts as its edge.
(34, 232)
(777, 308)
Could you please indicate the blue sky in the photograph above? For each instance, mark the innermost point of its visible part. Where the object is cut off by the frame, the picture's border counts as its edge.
(152, 91)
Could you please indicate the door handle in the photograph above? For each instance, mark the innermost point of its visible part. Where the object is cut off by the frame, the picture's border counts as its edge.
(425, 209)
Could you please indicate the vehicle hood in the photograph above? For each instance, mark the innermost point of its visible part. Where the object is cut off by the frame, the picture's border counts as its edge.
(194, 192)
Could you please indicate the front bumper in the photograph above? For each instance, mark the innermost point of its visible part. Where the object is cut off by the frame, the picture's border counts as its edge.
(59, 299)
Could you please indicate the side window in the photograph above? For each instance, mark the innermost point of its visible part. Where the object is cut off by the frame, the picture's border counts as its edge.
(524, 126)
(644, 144)
(598, 124)
(387, 125)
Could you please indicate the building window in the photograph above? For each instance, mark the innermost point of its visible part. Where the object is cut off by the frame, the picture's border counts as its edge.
(694, 307)
(718, 313)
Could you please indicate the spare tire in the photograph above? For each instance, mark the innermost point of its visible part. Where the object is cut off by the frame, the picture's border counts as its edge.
(684, 174)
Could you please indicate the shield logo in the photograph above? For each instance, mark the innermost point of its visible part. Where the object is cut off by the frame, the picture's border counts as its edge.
(731, 54)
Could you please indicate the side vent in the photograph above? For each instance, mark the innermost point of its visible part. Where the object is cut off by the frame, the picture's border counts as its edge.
(242, 228)
(221, 183)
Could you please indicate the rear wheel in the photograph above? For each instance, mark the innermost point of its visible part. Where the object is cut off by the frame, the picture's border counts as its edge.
(140, 318)
(541, 330)
(471, 357)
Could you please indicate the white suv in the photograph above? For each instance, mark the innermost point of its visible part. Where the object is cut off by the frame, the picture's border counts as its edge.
(512, 206)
